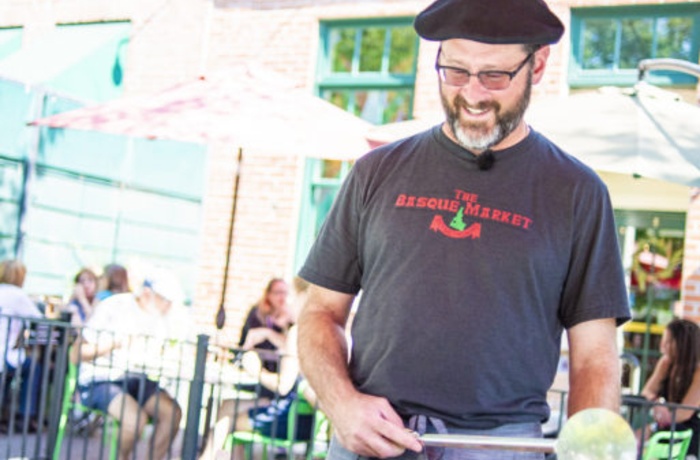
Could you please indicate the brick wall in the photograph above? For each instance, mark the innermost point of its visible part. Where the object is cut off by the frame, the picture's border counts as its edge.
(690, 301)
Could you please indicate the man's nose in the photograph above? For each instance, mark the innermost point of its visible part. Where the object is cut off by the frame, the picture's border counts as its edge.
(474, 92)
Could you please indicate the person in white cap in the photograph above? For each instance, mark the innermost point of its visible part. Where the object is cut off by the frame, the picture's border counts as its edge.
(475, 245)
(124, 330)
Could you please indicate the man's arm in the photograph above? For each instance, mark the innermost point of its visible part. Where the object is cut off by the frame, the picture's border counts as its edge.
(364, 424)
(594, 372)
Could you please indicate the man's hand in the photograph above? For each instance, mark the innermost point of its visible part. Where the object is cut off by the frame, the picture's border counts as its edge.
(364, 424)
(369, 426)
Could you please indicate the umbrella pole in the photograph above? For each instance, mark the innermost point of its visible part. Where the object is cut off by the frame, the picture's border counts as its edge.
(221, 313)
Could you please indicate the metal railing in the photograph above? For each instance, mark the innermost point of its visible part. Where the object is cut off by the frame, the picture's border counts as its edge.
(198, 375)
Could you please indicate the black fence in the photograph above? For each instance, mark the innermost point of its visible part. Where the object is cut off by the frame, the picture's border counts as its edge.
(198, 392)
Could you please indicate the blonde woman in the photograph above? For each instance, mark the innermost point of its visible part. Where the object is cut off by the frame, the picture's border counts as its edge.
(14, 302)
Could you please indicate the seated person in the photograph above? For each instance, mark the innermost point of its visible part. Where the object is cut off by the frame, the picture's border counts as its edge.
(234, 415)
(125, 330)
(83, 299)
(15, 302)
(267, 323)
(114, 280)
(676, 379)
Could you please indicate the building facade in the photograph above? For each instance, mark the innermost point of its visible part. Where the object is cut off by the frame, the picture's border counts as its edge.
(360, 55)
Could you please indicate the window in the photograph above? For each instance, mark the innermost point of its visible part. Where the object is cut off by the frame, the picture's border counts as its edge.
(369, 69)
(84, 60)
(11, 175)
(93, 198)
(608, 43)
(323, 179)
(10, 41)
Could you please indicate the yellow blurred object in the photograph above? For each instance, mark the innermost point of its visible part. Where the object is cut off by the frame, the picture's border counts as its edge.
(596, 434)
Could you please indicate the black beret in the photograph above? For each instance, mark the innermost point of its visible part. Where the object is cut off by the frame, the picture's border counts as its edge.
(490, 21)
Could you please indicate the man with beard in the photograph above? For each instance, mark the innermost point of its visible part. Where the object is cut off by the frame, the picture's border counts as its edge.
(475, 245)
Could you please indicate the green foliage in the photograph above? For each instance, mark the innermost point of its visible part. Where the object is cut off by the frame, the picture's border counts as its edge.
(403, 50)
(342, 49)
(599, 44)
(372, 49)
(620, 43)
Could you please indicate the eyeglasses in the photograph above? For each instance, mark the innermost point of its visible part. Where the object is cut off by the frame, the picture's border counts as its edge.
(489, 79)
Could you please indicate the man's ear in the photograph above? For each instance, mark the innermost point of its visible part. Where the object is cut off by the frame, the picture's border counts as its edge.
(541, 57)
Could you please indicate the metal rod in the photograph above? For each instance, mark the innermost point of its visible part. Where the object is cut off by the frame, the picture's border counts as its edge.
(490, 442)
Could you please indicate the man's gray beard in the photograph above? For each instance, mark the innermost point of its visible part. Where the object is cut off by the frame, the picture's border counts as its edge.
(506, 122)
(477, 143)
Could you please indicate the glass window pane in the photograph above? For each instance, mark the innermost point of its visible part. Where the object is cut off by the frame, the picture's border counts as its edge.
(372, 49)
(674, 38)
(11, 173)
(383, 106)
(342, 45)
(403, 50)
(339, 98)
(636, 42)
(10, 41)
(331, 169)
(15, 110)
(323, 196)
(598, 43)
(398, 106)
(368, 106)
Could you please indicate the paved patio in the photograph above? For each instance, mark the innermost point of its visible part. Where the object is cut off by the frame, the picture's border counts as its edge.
(78, 446)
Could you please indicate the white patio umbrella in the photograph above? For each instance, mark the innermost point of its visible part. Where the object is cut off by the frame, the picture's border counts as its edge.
(248, 107)
(641, 131)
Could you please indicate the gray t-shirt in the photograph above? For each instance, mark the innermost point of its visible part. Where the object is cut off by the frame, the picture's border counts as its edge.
(468, 276)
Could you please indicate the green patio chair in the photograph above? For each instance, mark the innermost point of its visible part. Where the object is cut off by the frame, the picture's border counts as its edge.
(110, 429)
(249, 439)
(660, 447)
(322, 436)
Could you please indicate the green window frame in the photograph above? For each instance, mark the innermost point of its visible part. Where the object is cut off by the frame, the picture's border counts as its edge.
(367, 67)
(607, 43)
(323, 179)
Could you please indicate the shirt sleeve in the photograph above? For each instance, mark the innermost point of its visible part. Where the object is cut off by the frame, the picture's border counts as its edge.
(595, 285)
(334, 259)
